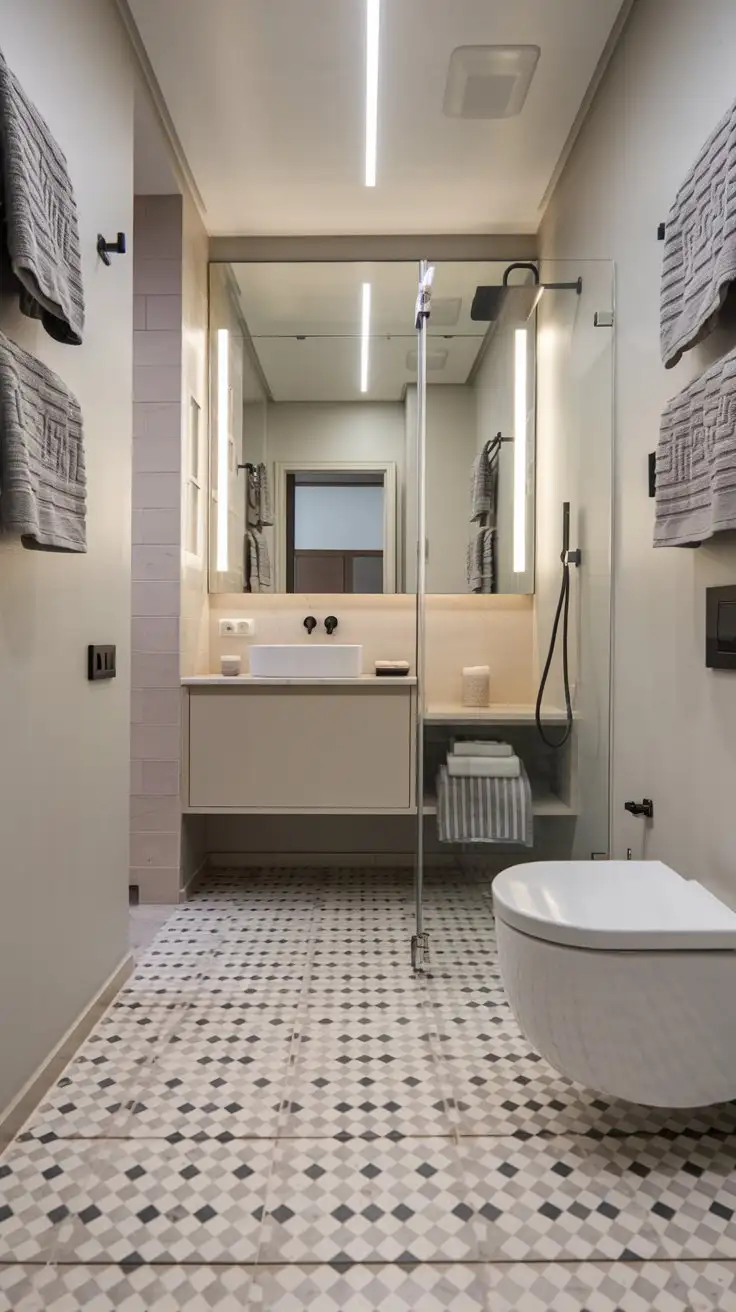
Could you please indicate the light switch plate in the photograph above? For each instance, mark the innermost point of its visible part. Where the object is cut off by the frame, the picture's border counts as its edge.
(245, 628)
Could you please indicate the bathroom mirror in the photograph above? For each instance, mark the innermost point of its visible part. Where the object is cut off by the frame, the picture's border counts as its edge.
(313, 471)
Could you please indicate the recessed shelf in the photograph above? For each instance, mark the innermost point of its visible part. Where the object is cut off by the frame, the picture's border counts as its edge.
(501, 714)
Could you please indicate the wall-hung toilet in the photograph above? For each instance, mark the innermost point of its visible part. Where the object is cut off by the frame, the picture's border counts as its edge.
(623, 975)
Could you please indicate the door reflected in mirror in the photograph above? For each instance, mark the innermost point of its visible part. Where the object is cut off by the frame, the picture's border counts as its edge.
(313, 471)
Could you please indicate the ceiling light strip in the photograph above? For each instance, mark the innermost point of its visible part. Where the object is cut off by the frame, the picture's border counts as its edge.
(373, 28)
(365, 336)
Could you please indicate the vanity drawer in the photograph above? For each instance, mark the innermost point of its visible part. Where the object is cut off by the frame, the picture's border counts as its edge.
(301, 749)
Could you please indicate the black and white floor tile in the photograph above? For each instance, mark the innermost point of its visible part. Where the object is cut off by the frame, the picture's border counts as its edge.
(278, 1113)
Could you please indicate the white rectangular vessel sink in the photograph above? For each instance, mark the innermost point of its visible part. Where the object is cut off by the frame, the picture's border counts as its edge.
(332, 660)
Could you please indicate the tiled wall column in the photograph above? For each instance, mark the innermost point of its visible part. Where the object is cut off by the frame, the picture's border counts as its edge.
(155, 814)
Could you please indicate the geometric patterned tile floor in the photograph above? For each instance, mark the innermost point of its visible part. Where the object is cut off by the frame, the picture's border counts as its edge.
(278, 1113)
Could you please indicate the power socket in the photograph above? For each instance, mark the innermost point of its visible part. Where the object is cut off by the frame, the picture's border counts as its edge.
(237, 628)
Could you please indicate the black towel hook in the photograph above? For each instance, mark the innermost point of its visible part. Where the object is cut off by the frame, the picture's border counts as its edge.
(105, 248)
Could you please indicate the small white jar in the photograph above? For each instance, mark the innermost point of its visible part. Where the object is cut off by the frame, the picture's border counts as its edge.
(476, 685)
(230, 666)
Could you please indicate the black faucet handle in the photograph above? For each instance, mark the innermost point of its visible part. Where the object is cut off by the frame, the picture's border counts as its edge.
(310, 623)
(331, 623)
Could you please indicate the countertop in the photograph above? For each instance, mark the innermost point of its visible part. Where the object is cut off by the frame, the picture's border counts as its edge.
(255, 681)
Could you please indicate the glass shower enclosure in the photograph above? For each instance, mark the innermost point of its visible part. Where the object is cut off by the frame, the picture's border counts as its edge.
(543, 383)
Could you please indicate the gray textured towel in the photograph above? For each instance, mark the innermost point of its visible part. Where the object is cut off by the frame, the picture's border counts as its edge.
(42, 470)
(696, 460)
(258, 562)
(481, 561)
(260, 509)
(485, 810)
(484, 484)
(700, 245)
(265, 505)
(39, 216)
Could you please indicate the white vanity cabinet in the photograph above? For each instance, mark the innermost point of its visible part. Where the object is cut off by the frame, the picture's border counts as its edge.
(296, 746)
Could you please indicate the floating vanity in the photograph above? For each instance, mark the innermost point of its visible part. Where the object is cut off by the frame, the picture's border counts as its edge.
(296, 745)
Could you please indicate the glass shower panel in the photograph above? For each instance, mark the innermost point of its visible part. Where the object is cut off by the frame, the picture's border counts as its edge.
(575, 408)
(569, 442)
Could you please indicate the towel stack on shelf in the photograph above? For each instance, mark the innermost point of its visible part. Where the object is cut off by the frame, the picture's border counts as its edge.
(484, 796)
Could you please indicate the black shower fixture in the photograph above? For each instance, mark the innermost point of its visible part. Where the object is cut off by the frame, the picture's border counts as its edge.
(489, 300)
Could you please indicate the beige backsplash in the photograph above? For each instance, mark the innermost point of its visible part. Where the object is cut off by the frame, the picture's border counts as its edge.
(494, 631)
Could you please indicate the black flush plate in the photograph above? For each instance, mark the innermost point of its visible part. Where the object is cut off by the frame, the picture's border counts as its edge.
(101, 663)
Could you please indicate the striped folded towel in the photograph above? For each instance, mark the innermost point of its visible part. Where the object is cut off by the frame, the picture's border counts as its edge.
(485, 810)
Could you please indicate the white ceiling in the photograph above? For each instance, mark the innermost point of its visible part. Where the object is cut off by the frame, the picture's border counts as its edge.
(322, 303)
(267, 97)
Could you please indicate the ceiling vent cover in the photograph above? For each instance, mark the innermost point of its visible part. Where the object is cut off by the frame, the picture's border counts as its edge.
(489, 81)
(436, 360)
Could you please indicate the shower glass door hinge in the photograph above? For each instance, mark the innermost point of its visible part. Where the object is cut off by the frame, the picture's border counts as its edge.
(603, 319)
(420, 951)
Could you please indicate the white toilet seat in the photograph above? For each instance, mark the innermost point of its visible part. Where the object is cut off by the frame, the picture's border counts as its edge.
(620, 974)
(613, 905)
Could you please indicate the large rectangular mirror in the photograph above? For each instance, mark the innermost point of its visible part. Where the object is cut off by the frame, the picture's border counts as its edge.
(313, 428)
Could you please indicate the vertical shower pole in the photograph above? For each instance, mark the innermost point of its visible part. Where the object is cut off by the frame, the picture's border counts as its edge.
(420, 940)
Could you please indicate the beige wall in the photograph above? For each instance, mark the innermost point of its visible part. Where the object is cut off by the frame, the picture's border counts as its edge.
(495, 631)
(674, 721)
(64, 742)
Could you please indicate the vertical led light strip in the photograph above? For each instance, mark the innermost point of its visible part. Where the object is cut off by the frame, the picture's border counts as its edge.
(223, 448)
(365, 336)
(520, 427)
(373, 28)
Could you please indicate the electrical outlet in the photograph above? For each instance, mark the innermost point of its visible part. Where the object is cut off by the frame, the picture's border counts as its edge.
(228, 628)
(245, 628)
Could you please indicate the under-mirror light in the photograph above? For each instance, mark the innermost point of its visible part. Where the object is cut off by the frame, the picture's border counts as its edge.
(373, 26)
(223, 446)
(520, 426)
(365, 336)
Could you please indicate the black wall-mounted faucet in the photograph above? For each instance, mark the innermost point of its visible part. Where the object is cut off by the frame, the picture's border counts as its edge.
(331, 623)
(310, 624)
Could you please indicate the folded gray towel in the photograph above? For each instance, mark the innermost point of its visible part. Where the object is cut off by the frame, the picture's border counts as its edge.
(484, 484)
(42, 470)
(700, 245)
(696, 460)
(481, 561)
(39, 216)
(485, 810)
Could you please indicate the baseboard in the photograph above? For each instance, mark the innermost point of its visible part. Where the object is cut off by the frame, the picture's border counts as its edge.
(186, 890)
(35, 1089)
(310, 860)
